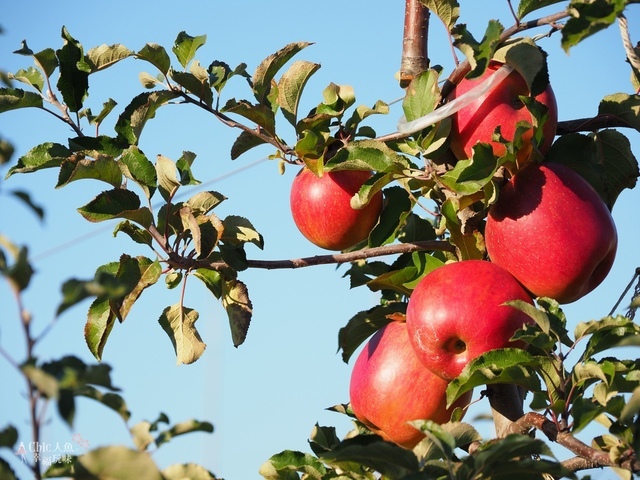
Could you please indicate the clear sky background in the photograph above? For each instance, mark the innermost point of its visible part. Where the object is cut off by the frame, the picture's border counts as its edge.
(267, 395)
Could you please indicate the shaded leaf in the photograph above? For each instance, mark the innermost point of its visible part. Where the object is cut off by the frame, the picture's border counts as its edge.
(99, 58)
(141, 108)
(238, 230)
(282, 465)
(623, 107)
(235, 300)
(104, 168)
(269, 67)
(587, 18)
(137, 167)
(116, 203)
(8, 436)
(45, 155)
(12, 98)
(25, 198)
(156, 55)
(74, 72)
(189, 426)
(478, 53)
(259, 114)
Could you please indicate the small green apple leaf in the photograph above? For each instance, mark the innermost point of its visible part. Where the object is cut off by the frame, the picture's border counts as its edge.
(468, 245)
(116, 203)
(31, 76)
(156, 55)
(622, 106)
(191, 471)
(104, 56)
(46, 155)
(448, 11)
(143, 273)
(450, 435)
(12, 98)
(178, 322)
(185, 47)
(116, 462)
(391, 460)
(137, 167)
(396, 209)
(604, 159)
(360, 113)
(19, 274)
(260, 114)
(212, 279)
(323, 439)
(111, 400)
(470, 176)
(100, 322)
(104, 168)
(238, 231)
(364, 324)
(196, 82)
(478, 53)
(525, 7)
(46, 383)
(505, 365)
(8, 436)
(422, 95)
(528, 60)
(203, 202)
(96, 146)
(587, 18)
(291, 85)
(245, 142)
(182, 428)
(367, 155)
(269, 67)
(142, 108)
(283, 465)
(403, 279)
(235, 300)
(608, 333)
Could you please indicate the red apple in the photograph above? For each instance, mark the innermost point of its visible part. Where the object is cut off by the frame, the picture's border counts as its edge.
(456, 313)
(390, 387)
(551, 230)
(322, 210)
(502, 107)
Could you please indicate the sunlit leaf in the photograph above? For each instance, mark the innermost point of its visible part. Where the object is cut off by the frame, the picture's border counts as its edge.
(156, 55)
(448, 11)
(283, 465)
(185, 47)
(30, 76)
(116, 462)
(422, 95)
(291, 86)
(104, 168)
(189, 471)
(622, 106)
(137, 167)
(104, 56)
(589, 17)
(478, 53)
(178, 322)
(525, 7)
(269, 67)
(12, 98)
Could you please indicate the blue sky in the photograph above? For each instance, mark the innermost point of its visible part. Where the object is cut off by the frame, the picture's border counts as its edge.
(267, 395)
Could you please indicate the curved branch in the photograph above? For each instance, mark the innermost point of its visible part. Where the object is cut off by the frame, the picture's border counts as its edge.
(591, 124)
(187, 263)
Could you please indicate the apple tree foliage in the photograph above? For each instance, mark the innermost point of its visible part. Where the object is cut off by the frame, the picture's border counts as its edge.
(188, 239)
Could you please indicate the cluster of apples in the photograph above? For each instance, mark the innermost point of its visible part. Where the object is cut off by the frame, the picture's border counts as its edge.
(549, 234)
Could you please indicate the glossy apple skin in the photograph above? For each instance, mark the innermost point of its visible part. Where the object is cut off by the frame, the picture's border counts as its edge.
(322, 210)
(456, 313)
(498, 107)
(390, 387)
(551, 230)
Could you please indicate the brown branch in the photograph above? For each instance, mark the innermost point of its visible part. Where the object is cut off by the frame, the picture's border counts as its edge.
(414, 45)
(188, 263)
(591, 124)
(506, 402)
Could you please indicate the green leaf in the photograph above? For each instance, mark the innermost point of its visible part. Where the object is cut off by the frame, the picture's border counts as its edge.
(185, 47)
(282, 465)
(99, 58)
(396, 209)
(12, 98)
(31, 76)
(195, 82)
(448, 11)
(259, 114)
(478, 53)
(212, 279)
(291, 85)
(103, 168)
(96, 146)
(603, 158)
(140, 274)
(323, 439)
(142, 108)
(449, 435)
(589, 17)
(607, 333)
(422, 95)
(46, 383)
(623, 107)
(8, 436)
(527, 6)
(47, 61)
(183, 164)
(364, 324)
(179, 324)
(25, 198)
(472, 175)
(6, 472)
(203, 202)
(269, 67)
(505, 365)
(238, 230)
(20, 272)
(391, 460)
(110, 400)
(183, 428)
(367, 155)
(116, 462)
(156, 55)
(526, 57)
(469, 246)
(168, 182)
(137, 167)
(235, 300)
(116, 203)
(74, 72)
